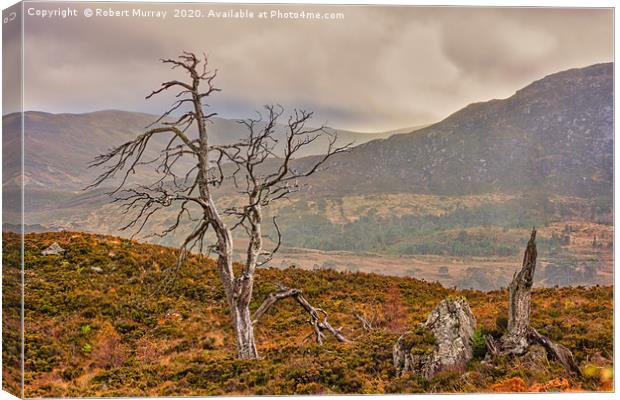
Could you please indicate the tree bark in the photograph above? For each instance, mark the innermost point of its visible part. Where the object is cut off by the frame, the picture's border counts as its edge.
(238, 291)
(519, 302)
(244, 331)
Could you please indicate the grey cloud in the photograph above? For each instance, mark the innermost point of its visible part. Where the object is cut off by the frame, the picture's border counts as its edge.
(493, 44)
(381, 68)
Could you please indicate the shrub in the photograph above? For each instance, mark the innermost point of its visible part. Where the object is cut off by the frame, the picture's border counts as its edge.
(479, 344)
(70, 373)
(108, 351)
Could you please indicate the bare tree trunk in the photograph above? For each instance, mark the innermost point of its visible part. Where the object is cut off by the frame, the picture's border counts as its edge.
(244, 331)
(246, 345)
(520, 335)
(239, 305)
(238, 299)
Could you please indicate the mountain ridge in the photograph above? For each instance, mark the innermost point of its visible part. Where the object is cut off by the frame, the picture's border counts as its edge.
(59, 146)
(402, 162)
(553, 129)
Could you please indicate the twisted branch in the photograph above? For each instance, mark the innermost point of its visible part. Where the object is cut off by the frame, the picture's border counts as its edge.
(318, 316)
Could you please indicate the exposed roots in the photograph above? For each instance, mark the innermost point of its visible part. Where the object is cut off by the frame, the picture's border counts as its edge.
(555, 351)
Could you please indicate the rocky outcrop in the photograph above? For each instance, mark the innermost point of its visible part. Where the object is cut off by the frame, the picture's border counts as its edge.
(443, 342)
(53, 250)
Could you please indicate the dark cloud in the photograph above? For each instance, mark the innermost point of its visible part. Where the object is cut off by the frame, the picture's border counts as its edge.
(380, 68)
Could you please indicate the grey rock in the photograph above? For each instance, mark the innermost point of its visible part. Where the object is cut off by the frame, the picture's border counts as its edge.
(443, 342)
(97, 269)
(53, 250)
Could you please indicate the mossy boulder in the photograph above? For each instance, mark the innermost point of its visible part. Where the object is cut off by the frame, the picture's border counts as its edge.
(442, 343)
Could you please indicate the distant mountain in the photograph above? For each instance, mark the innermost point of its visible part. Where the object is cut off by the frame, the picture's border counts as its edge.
(464, 187)
(555, 135)
(58, 147)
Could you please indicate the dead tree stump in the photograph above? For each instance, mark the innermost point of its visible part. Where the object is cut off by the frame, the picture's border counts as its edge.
(520, 335)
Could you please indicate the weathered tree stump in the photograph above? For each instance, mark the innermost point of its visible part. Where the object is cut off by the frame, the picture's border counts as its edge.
(443, 342)
(520, 335)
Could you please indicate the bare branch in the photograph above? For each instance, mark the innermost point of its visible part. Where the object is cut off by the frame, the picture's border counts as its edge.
(318, 316)
(128, 155)
(367, 325)
(269, 254)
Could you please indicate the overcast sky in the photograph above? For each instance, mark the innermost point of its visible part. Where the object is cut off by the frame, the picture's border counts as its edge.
(380, 68)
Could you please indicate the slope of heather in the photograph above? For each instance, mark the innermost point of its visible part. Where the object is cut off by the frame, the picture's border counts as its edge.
(96, 325)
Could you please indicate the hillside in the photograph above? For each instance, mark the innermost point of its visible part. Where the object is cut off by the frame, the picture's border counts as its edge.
(554, 135)
(59, 147)
(97, 326)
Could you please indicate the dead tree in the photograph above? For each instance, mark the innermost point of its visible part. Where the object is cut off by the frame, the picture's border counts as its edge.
(519, 302)
(259, 170)
(519, 335)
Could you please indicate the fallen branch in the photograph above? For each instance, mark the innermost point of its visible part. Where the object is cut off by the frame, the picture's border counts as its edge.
(367, 325)
(318, 316)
